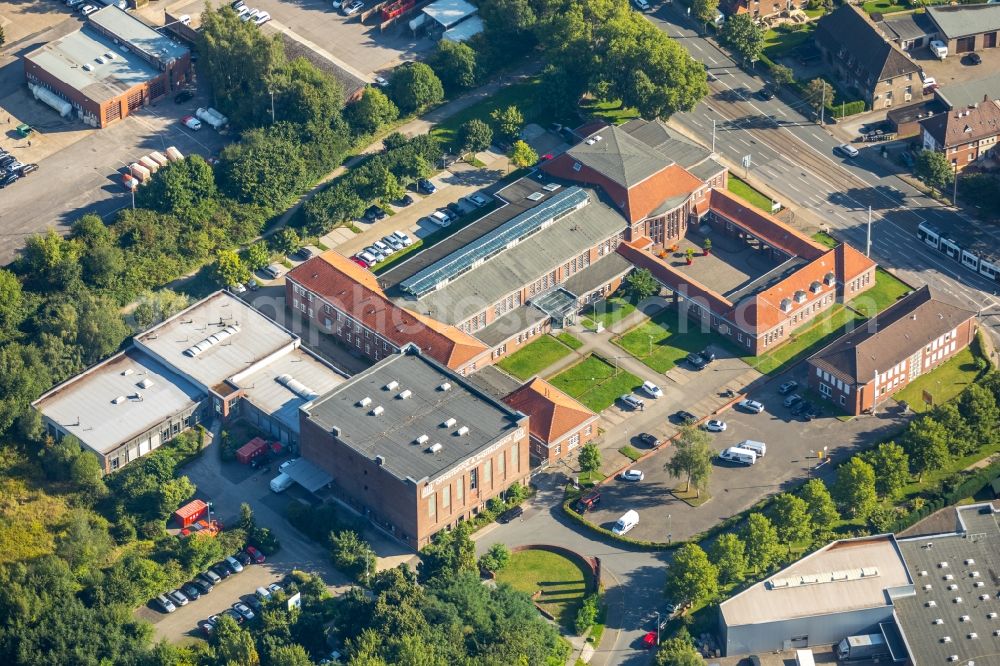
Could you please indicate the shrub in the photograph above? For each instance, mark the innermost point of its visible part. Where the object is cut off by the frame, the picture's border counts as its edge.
(587, 615)
(846, 109)
(496, 558)
(264, 540)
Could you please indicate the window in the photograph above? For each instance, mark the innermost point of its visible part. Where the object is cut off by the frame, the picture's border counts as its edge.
(473, 479)
(589, 431)
(515, 458)
(502, 466)
(574, 441)
(460, 491)
(825, 390)
(432, 507)
(558, 449)
(446, 498)
(488, 472)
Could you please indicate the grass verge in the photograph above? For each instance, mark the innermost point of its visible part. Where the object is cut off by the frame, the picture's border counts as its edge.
(556, 583)
(690, 497)
(610, 112)
(607, 312)
(883, 7)
(594, 382)
(525, 96)
(630, 452)
(535, 357)
(887, 290)
(834, 323)
(743, 190)
(569, 340)
(943, 384)
(658, 342)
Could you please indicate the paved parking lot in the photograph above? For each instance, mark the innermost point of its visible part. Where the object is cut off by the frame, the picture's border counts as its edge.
(791, 459)
(956, 68)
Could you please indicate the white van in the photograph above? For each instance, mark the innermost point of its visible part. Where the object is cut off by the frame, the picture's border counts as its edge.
(280, 483)
(939, 49)
(440, 219)
(760, 448)
(738, 455)
(626, 522)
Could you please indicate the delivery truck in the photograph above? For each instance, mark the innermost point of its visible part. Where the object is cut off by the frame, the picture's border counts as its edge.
(868, 646)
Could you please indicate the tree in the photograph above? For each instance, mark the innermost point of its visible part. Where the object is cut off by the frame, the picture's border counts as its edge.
(247, 521)
(334, 205)
(476, 135)
(641, 284)
(977, 404)
(289, 655)
(742, 33)
(50, 262)
(414, 86)
(783, 75)
(790, 516)
(678, 651)
(961, 440)
(352, 555)
(12, 309)
(822, 510)
(762, 542)
(229, 269)
(729, 554)
(286, 241)
(452, 553)
(522, 155)
(926, 441)
(934, 169)
(265, 168)
(257, 256)
(384, 186)
(174, 493)
(455, 64)
(100, 327)
(892, 469)
(305, 94)
(854, 489)
(23, 377)
(508, 122)
(691, 578)
(372, 111)
(589, 458)
(87, 475)
(818, 93)
(692, 458)
(705, 10)
(185, 187)
(155, 306)
(496, 558)
(234, 646)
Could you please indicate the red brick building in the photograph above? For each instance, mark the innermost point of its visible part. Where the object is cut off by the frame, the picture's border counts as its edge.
(108, 70)
(760, 8)
(415, 447)
(963, 135)
(908, 339)
(559, 424)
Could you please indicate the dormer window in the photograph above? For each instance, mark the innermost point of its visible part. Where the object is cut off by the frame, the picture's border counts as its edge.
(800, 296)
(786, 305)
(815, 287)
(830, 279)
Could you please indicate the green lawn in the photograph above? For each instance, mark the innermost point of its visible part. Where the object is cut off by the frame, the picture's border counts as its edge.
(561, 581)
(825, 239)
(658, 344)
(887, 290)
(884, 7)
(593, 382)
(569, 340)
(826, 329)
(608, 312)
(535, 357)
(944, 383)
(611, 112)
(525, 96)
(741, 189)
(630, 452)
(815, 13)
(778, 43)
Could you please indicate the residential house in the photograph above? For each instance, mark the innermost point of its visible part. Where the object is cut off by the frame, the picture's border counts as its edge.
(963, 135)
(559, 423)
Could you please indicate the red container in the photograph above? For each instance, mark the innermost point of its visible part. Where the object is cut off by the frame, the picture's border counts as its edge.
(191, 513)
(251, 450)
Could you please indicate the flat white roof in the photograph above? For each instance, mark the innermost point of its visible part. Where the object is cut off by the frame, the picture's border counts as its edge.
(449, 12)
(465, 30)
(766, 602)
(231, 338)
(117, 400)
(282, 386)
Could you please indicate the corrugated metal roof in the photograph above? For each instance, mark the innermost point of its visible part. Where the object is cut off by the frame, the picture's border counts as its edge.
(137, 34)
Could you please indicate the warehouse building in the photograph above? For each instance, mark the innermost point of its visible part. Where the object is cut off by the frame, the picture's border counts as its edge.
(219, 358)
(414, 446)
(108, 69)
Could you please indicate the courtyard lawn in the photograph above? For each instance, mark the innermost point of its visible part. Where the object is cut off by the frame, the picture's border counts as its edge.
(658, 344)
(561, 581)
(825, 239)
(611, 112)
(741, 189)
(593, 382)
(887, 290)
(607, 312)
(884, 7)
(944, 383)
(778, 43)
(569, 340)
(525, 96)
(825, 330)
(535, 357)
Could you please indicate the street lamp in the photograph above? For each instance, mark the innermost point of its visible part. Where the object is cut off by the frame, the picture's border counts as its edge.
(657, 627)
(272, 105)
(670, 529)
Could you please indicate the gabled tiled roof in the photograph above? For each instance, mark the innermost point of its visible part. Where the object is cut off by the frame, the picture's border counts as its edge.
(671, 183)
(636, 252)
(766, 226)
(890, 337)
(553, 413)
(355, 291)
(961, 126)
(847, 30)
(619, 156)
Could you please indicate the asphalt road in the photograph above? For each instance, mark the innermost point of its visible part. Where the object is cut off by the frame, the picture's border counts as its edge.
(795, 157)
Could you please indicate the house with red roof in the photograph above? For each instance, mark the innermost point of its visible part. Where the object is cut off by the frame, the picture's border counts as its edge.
(559, 424)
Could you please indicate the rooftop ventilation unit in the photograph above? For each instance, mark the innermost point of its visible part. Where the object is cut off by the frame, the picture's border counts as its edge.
(953, 587)
(127, 371)
(146, 383)
(445, 386)
(110, 55)
(377, 411)
(927, 587)
(978, 583)
(598, 138)
(434, 448)
(88, 67)
(379, 460)
(942, 565)
(922, 573)
(422, 439)
(953, 657)
(970, 561)
(931, 604)
(364, 402)
(212, 340)
(119, 400)
(957, 600)
(964, 618)
(463, 431)
(449, 423)
(590, 142)
(392, 386)
(551, 187)
(984, 597)
(991, 615)
(535, 196)
(938, 621)
(973, 574)
(973, 635)
(949, 577)
(404, 394)
(100, 60)
(946, 639)
(296, 387)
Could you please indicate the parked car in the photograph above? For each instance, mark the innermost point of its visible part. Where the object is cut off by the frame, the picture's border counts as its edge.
(353, 8)
(206, 627)
(183, 96)
(243, 610)
(178, 597)
(203, 585)
(847, 150)
(191, 123)
(792, 400)
(360, 262)
(234, 565)
(477, 200)
(641, 5)
(165, 604)
(281, 468)
(236, 615)
(375, 252)
(385, 249)
(274, 588)
(801, 406)
(191, 591)
(305, 252)
(632, 475)
(751, 406)
(715, 425)
(683, 417)
(455, 209)
(237, 288)
(272, 271)
(649, 440)
(7, 180)
(707, 355)
(262, 18)
(242, 558)
(393, 242)
(337, 4)
(510, 514)
(237, 5)
(88, 10)
(696, 361)
(449, 214)
(380, 81)
(211, 577)
(374, 213)
(221, 570)
(255, 604)
(632, 402)
(765, 93)
(788, 387)
(652, 390)
(405, 201)
(425, 186)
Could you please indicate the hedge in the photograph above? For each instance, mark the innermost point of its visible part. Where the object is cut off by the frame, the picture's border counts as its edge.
(846, 109)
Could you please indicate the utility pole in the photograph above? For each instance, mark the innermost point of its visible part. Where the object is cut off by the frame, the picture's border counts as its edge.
(713, 136)
(875, 393)
(868, 241)
(657, 627)
(954, 186)
(822, 104)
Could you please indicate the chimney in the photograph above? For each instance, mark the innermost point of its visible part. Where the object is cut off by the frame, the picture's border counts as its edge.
(986, 98)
